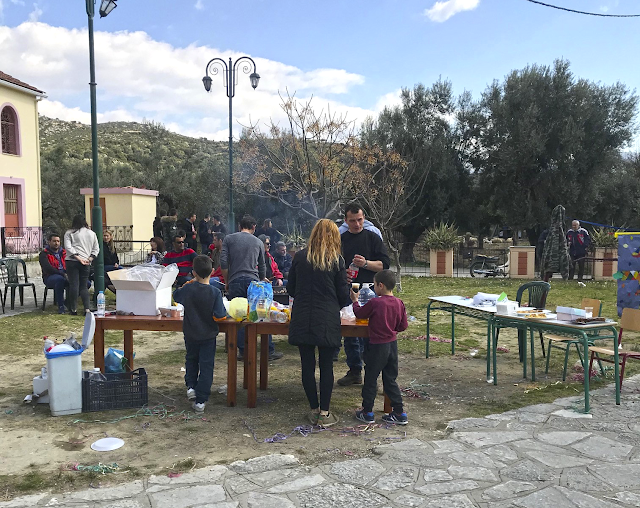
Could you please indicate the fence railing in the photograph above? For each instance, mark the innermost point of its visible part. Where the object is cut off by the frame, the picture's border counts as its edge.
(30, 240)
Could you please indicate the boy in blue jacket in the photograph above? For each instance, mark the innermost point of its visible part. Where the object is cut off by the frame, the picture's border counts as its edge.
(202, 302)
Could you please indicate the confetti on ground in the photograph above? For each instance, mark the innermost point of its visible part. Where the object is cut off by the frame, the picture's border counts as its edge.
(99, 468)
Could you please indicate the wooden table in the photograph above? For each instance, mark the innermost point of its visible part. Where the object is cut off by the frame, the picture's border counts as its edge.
(266, 328)
(163, 324)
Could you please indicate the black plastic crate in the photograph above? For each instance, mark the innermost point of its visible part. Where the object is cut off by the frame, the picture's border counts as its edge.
(119, 391)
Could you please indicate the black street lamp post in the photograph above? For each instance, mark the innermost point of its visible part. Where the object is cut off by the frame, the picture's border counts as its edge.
(230, 82)
(106, 6)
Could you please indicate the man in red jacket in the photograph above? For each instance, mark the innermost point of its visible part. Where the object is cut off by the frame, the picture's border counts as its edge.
(54, 269)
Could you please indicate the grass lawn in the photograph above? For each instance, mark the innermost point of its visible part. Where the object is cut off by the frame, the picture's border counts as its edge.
(437, 390)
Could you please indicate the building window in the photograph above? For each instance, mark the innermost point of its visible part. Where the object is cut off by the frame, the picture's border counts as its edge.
(9, 130)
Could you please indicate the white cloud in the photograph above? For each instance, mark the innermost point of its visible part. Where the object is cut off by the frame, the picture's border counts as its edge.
(199, 5)
(139, 77)
(388, 100)
(442, 11)
(35, 14)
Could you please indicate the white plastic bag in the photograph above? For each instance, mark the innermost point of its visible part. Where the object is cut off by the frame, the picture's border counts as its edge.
(347, 314)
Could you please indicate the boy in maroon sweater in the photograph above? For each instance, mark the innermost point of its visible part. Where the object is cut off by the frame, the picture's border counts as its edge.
(387, 316)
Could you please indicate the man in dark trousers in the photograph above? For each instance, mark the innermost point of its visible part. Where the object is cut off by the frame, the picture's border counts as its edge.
(364, 249)
(241, 262)
(54, 269)
(579, 241)
(204, 232)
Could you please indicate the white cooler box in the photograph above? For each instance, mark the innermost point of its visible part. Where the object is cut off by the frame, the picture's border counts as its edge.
(140, 296)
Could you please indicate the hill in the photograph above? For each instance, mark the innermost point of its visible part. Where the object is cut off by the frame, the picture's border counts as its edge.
(189, 173)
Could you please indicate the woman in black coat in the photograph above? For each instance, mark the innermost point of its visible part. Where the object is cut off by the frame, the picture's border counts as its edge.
(318, 282)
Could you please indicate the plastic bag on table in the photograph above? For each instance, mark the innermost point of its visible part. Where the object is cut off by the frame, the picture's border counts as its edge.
(114, 361)
(149, 272)
(347, 314)
(238, 308)
(260, 296)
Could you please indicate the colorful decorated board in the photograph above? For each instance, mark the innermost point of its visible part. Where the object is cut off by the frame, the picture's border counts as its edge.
(628, 274)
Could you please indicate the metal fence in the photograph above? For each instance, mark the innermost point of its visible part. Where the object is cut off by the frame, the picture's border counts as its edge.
(30, 240)
(463, 257)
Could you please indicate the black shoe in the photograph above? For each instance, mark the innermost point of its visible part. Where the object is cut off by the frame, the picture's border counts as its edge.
(353, 377)
(275, 356)
(61, 310)
(396, 418)
(366, 417)
(73, 312)
(241, 356)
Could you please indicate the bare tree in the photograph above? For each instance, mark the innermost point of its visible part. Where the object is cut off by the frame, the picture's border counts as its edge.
(312, 165)
(391, 187)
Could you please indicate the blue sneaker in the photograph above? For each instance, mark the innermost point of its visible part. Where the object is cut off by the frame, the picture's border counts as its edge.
(362, 415)
(396, 418)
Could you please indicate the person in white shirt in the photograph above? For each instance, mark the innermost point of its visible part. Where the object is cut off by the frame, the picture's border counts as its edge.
(82, 248)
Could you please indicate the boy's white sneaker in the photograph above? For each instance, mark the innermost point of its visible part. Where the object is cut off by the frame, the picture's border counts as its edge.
(198, 407)
(191, 394)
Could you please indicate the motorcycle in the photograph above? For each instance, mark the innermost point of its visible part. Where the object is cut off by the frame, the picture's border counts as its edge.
(488, 266)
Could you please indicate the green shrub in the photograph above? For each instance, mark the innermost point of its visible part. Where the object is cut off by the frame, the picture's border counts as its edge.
(442, 237)
(604, 237)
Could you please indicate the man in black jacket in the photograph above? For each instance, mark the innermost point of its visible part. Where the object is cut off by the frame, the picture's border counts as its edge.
(204, 232)
(189, 226)
(364, 249)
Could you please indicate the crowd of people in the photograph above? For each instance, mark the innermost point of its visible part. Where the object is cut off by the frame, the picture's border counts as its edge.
(316, 278)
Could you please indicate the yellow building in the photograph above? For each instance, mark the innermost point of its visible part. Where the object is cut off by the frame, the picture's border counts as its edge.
(125, 209)
(20, 187)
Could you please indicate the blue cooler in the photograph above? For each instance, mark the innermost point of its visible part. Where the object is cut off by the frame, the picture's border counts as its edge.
(65, 374)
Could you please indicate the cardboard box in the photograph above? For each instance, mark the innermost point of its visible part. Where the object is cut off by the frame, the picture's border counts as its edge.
(141, 297)
(569, 313)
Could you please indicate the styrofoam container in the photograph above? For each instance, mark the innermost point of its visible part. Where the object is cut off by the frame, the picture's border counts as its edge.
(141, 297)
(569, 313)
(64, 372)
(41, 385)
(508, 308)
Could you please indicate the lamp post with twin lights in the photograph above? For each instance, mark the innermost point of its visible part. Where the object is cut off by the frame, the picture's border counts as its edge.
(230, 80)
(106, 6)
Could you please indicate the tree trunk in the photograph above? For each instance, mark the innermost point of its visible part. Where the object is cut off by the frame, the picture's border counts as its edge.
(406, 255)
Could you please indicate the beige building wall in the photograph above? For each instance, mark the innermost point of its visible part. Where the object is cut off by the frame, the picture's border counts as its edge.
(24, 169)
(143, 212)
(126, 206)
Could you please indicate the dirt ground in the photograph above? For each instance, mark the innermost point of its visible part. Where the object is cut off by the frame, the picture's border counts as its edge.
(37, 447)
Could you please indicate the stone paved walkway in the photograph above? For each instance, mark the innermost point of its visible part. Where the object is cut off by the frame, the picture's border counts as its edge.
(540, 456)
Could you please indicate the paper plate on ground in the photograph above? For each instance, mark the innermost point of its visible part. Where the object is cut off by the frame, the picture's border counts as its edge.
(107, 444)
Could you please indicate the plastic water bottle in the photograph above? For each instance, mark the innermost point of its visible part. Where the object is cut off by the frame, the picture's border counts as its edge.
(365, 294)
(101, 304)
(352, 271)
(96, 375)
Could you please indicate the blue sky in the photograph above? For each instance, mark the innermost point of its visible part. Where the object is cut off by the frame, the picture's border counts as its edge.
(353, 55)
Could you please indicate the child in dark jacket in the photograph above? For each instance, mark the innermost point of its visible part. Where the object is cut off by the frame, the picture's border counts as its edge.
(202, 303)
(387, 316)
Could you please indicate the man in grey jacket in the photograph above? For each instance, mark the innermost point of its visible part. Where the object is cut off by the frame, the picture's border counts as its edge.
(242, 261)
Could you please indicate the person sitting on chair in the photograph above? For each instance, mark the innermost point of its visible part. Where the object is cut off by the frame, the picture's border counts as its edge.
(181, 257)
(111, 260)
(54, 269)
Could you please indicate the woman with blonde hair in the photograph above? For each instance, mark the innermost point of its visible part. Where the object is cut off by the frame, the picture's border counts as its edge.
(318, 282)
